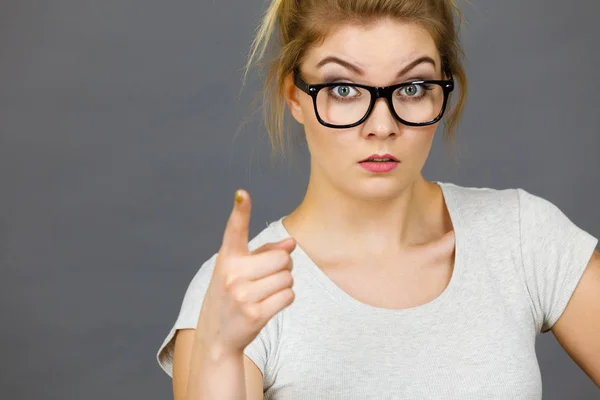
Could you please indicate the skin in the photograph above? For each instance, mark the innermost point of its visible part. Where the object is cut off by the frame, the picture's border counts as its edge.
(578, 328)
(374, 218)
(391, 230)
(335, 173)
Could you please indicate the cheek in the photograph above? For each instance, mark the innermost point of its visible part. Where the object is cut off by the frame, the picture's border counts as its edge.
(329, 146)
(421, 138)
(426, 141)
(319, 138)
(419, 145)
(323, 143)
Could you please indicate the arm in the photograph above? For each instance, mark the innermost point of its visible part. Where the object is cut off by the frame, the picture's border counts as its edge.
(225, 378)
(226, 313)
(578, 329)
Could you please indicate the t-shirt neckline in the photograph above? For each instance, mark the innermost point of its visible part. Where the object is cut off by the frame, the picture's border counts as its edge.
(355, 305)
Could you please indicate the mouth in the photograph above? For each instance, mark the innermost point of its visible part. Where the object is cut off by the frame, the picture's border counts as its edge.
(380, 158)
(378, 164)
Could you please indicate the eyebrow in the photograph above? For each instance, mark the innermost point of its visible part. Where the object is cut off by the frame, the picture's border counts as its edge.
(358, 71)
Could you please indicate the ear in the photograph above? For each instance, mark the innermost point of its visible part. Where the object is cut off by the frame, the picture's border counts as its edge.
(291, 93)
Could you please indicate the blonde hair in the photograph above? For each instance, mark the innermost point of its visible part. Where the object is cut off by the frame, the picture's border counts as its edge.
(303, 23)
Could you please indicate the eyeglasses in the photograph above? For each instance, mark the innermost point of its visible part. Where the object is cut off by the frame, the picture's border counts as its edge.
(345, 105)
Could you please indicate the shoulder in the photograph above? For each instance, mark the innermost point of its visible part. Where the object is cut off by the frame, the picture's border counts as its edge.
(535, 222)
(486, 206)
(514, 213)
(500, 202)
(477, 195)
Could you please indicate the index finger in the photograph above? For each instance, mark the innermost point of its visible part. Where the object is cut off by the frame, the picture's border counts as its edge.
(235, 238)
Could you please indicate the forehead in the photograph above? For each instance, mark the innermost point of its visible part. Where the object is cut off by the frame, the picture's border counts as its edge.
(376, 47)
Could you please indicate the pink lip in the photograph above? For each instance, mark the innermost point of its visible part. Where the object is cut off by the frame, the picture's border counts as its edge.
(374, 166)
(391, 157)
(379, 166)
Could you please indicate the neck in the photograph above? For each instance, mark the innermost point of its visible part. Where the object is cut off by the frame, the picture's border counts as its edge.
(348, 223)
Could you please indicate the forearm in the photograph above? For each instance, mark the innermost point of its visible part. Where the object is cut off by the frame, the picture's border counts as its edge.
(215, 373)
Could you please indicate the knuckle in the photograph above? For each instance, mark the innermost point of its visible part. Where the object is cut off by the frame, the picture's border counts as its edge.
(231, 281)
(253, 315)
(290, 295)
(287, 278)
(240, 296)
(281, 257)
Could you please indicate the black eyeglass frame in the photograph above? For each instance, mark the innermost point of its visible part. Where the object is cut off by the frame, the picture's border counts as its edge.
(376, 92)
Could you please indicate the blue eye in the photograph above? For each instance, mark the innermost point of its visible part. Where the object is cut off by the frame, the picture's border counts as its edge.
(343, 91)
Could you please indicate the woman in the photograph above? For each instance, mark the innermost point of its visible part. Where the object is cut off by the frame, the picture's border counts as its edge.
(400, 287)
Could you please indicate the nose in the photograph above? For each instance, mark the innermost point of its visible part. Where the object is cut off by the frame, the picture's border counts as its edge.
(381, 123)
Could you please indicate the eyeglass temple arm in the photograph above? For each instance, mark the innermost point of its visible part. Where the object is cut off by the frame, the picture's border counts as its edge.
(299, 82)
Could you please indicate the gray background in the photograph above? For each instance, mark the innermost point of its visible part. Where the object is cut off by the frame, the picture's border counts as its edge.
(119, 159)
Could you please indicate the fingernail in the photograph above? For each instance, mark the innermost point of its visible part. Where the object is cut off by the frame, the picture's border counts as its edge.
(238, 197)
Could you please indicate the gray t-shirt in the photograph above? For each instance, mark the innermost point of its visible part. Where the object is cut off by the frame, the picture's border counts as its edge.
(518, 260)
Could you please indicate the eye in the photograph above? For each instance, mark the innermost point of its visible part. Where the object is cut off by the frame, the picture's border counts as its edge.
(411, 90)
(344, 91)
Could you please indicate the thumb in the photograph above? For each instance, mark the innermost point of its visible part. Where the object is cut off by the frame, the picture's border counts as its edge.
(288, 244)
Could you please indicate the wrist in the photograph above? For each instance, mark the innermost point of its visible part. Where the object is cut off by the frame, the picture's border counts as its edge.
(217, 351)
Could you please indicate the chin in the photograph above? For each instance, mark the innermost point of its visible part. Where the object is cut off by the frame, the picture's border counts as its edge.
(377, 188)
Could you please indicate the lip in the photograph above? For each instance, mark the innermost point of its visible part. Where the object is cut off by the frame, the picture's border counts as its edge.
(379, 166)
(391, 157)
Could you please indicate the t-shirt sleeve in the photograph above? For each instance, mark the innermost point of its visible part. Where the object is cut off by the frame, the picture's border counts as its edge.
(555, 253)
(258, 351)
